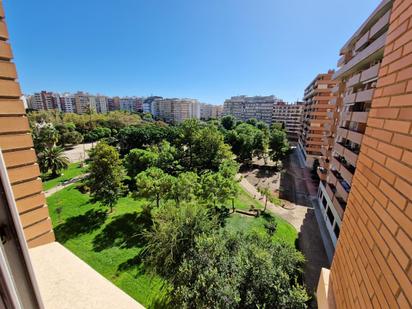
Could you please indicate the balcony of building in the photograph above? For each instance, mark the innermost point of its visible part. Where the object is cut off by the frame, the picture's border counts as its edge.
(325, 151)
(339, 204)
(342, 187)
(371, 73)
(64, 279)
(364, 95)
(324, 163)
(345, 169)
(349, 151)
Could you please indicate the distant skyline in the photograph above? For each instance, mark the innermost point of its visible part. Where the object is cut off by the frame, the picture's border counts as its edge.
(207, 50)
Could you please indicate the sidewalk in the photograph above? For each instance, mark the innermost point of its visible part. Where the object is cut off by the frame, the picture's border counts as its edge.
(65, 185)
(294, 216)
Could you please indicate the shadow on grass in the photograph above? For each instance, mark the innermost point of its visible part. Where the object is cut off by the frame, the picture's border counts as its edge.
(81, 224)
(124, 231)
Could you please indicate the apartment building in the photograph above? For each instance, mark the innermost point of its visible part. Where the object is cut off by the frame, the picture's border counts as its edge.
(314, 118)
(102, 105)
(68, 103)
(210, 111)
(130, 104)
(291, 116)
(44, 100)
(372, 265)
(357, 77)
(176, 110)
(113, 104)
(245, 108)
(84, 102)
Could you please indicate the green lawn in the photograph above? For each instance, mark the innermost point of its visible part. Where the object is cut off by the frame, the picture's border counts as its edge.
(108, 244)
(245, 200)
(73, 170)
(111, 243)
(284, 230)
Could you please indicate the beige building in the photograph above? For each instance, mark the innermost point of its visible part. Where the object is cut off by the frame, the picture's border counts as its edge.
(291, 116)
(177, 110)
(314, 119)
(210, 111)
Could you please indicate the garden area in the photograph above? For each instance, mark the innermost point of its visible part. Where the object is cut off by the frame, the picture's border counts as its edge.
(110, 242)
(162, 215)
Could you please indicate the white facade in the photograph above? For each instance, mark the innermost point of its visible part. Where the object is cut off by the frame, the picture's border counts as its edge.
(245, 108)
(101, 104)
(210, 111)
(291, 116)
(177, 110)
(68, 103)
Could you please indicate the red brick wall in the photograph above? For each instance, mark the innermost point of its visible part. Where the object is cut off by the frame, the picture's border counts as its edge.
(372, 264)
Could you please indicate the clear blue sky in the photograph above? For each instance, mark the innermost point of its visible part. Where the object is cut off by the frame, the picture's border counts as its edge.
(204, 49)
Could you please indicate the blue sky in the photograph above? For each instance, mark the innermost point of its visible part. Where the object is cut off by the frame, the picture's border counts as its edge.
(204, 49)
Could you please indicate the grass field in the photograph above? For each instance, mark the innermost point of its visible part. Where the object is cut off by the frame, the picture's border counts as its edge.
(72, 171)
(111, 243)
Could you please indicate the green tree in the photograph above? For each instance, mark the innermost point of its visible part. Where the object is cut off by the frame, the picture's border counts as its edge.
(252, 121)
(53, 159)
(265, 191)
(44, 136)
(138, 160)
(246, 141)
(209, 149)
(153, 184)
(228, 270)
(279, 145)
(188, 131)
(106, 174)
(167, 157)
(173, 235)
(228, 122)
(184, 187)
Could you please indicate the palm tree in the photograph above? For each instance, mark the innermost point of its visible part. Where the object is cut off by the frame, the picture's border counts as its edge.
(54, 159)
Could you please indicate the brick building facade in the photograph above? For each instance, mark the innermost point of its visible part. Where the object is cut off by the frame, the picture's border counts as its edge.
(372, 265)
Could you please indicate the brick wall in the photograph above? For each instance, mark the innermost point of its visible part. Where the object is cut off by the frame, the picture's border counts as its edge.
(372, 264)
(17, 147)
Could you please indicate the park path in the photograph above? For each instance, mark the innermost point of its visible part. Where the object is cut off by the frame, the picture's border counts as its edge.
(293, 216)
(64, 185)
(298, 189)
(78, 153)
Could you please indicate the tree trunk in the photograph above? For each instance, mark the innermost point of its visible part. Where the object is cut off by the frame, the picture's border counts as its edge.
(233, 205)
(157, 200)
(266, 204)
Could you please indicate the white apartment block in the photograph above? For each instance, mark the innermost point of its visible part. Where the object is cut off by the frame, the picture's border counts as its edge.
(102, 104)
(291, 116)
(68, 103)
(244, 108)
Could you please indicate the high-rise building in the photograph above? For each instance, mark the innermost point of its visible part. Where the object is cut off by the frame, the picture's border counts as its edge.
(291, 116)
(148, 105)
(177, 110)
(84, 102)
(314, 119)
(372, 265)
(68, 103)
(113, 104)
(245, 108)
(210, 111)
(357, 77)
(131, 104)
(102, 105)
(44, 100)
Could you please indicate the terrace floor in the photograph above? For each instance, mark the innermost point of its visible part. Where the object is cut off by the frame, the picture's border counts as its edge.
(65, 281)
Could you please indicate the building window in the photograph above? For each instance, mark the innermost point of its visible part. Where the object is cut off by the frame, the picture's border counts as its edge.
(330, 216)
(336, 230)
(324, 202)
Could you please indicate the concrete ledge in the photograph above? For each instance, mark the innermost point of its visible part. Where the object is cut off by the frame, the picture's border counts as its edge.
(65, 281)
(324, 292)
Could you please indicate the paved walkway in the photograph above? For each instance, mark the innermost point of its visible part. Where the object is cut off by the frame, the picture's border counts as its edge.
(64, 185)
(294, 216)
(297, 187)
(78, 153)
